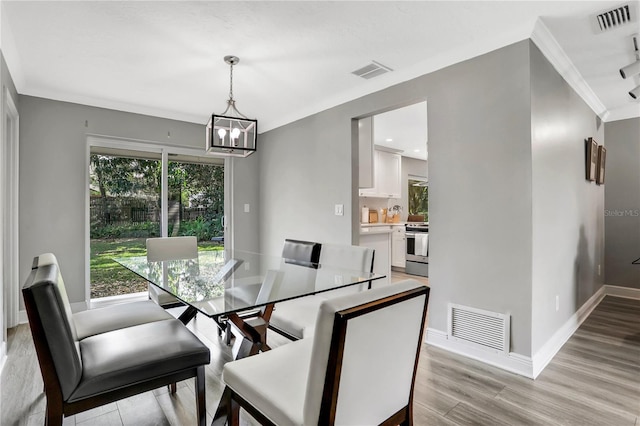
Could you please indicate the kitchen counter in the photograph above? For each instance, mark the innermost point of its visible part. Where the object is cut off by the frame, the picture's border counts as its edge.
(383, 224)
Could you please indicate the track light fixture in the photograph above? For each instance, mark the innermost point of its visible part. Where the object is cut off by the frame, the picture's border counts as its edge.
(633, 68)
(630, 70)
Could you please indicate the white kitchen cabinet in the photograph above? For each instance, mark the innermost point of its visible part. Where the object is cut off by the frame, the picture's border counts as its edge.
(398, 246)
(387, 176)
(367, 154)
(379, 240)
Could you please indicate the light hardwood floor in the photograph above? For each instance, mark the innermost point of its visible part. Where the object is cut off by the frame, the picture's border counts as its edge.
(593, 380)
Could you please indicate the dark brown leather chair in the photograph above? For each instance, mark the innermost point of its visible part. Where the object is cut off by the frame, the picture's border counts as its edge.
(107, 361)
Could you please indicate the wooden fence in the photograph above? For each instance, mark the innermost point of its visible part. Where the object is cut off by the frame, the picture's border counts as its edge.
(122, 211)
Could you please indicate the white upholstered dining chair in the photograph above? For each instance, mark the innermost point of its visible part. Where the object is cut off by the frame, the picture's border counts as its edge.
(359, 367)
(169, 248)
(296, 318)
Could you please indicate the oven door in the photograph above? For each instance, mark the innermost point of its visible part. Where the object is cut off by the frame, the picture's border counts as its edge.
(414, 255)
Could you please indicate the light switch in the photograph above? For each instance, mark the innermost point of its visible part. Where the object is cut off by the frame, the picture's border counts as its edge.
(247, 208)
(339, 209)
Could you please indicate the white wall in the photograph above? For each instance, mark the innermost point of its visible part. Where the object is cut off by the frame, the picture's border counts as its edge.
(53, 186)
(568, 210)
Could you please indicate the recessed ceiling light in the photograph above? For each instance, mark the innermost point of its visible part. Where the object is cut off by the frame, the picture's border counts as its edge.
(416, 150)
(388, 140)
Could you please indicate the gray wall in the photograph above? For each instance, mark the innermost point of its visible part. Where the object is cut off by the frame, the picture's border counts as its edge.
(622, 203)
(305, 169)
(53, 183)
(568, 210)
(479, 173)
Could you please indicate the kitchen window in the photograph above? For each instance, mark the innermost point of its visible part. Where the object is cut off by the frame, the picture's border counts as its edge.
(418, 195)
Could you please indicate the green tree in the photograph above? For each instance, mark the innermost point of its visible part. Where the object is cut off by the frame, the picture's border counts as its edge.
(418, 198)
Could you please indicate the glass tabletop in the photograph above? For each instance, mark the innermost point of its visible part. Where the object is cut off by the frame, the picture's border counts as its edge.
(221, 282)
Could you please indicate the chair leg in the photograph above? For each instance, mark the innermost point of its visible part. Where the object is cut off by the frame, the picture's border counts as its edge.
(228, 333)
(233, 413)
(53, 414)
(220, 417)
(200, 397)
(173, 388)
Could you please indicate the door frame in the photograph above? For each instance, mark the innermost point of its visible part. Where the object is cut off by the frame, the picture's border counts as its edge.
(10, 209)
(94, 140)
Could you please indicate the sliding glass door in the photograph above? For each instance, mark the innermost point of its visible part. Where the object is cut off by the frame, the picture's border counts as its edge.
(128, 205)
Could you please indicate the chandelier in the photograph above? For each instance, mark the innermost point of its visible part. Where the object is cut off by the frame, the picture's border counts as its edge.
(231, 133)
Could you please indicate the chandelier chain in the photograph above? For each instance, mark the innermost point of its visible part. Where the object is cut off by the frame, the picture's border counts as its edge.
(231, 82)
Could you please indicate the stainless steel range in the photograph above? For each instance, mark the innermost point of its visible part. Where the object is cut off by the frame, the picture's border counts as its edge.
(417, 259)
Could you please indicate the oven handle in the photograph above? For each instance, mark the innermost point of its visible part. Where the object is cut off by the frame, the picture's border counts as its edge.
(410, 234)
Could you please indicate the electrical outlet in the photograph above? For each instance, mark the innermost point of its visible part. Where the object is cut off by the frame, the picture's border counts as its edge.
(247, 208)
(339, 209)
(557, 303)
(337, 279)
(247, 266)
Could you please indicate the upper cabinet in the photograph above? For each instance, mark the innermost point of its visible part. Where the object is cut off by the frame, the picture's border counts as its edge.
(387, 176)
(365, 139)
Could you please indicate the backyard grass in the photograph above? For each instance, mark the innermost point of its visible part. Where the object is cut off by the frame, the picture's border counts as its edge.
(108, 278)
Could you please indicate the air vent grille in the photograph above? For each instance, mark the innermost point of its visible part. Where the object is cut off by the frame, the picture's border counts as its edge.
(478, 327)
(371, 70)
(614, 18)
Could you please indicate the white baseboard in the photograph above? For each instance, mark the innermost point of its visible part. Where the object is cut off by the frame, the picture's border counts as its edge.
(75, 307)
(564, 333)
(512, 361)
(521, 364)
(627, 292)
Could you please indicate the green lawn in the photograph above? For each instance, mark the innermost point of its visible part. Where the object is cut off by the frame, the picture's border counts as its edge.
(108, 278)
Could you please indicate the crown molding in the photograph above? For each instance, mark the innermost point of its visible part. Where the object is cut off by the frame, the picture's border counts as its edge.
(550, 48)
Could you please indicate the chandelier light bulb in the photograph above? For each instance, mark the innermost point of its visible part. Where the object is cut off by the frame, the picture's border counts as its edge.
(242, 132)
(635, 92)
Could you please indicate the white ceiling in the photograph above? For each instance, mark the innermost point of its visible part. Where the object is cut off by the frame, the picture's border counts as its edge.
(165, 58)
(404, 130)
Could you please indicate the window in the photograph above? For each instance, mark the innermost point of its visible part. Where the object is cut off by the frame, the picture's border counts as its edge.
(419, 196)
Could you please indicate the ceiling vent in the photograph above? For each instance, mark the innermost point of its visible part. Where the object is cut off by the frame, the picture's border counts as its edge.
(371, 70)
(614, 18)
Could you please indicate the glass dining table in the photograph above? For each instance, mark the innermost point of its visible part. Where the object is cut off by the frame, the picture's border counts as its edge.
(241, 288)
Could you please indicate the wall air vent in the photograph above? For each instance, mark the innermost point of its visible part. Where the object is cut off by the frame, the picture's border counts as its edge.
(490, 330)
(614, 18)
(371, 70)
